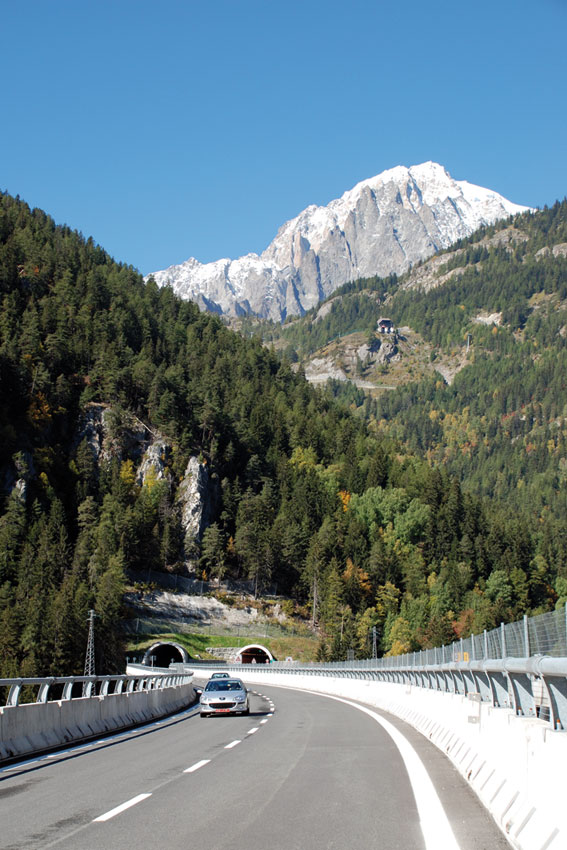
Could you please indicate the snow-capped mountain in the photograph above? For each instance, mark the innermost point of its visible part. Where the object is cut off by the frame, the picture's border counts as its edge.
(382, 225)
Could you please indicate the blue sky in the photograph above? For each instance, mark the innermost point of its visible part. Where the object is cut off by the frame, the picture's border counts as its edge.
(175, 129)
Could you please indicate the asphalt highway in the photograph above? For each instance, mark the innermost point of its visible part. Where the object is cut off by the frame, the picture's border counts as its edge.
(302, 772)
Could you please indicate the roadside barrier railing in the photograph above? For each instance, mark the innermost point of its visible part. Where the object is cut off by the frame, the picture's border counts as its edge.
(520, 666)
(531, 687)
(54, 688)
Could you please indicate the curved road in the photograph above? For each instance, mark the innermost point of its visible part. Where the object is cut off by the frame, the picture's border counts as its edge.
(302, 772)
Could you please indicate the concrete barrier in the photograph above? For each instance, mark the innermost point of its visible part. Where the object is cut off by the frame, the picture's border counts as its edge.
(36, 727)
(515, 765)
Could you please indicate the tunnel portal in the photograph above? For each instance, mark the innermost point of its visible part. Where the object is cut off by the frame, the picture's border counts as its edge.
(163, 654)
(255, 654)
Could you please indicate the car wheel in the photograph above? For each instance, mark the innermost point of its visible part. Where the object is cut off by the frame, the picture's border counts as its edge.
(247, 712)
(204, 714)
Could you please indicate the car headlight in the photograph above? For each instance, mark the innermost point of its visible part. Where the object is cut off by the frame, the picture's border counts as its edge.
(241, 698)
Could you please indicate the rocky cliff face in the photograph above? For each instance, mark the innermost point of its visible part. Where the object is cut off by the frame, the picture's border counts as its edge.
(111, 435)
(154, 465)
(383, 225)
(196, 494)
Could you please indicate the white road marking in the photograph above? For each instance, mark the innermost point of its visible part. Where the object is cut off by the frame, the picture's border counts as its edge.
(233, 744)
(265, 720)
(113, 812)
(251, 731)
(433, 819)
(196, 766)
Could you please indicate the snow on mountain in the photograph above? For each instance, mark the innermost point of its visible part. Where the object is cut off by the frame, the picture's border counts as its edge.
(384, 224)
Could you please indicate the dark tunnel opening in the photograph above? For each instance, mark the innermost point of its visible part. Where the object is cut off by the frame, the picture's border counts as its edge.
(254, 655)
(163, 655)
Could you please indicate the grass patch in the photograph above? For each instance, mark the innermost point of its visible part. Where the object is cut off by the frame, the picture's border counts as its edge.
(298, 647)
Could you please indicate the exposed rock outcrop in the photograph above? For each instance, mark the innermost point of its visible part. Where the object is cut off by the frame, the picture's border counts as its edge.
(197, 494)
(154, 464)
(19, 474)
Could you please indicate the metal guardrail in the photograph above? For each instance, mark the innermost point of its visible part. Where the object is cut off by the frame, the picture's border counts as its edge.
(78, 687)
(522, 666)
(532, 687)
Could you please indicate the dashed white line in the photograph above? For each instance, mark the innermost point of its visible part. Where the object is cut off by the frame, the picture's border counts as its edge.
(113, 812)
(232, 744)
(265, 720)
(251, 731)
(196, 766)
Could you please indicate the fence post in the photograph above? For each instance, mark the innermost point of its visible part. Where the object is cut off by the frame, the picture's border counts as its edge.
(526, 637)
(503, 640)
(485, 644)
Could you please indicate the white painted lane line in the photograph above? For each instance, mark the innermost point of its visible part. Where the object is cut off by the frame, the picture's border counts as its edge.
(251, 731)
(233, 744)
(113, 812)
(435, 826)
(265, 720)
(196, 766)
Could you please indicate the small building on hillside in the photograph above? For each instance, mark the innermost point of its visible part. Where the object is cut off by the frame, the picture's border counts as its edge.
(385, 326)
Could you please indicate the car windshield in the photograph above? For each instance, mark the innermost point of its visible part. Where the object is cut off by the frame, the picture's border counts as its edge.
(223, 685)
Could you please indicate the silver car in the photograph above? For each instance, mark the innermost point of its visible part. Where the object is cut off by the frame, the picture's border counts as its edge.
(224, 696)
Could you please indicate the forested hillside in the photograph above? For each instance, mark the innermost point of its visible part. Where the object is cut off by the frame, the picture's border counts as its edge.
(358, 531)
(501, 426)
(493, 309)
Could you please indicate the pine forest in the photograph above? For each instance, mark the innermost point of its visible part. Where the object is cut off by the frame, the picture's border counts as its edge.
(429, 512)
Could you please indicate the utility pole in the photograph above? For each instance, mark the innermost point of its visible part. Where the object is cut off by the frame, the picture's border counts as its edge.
(90, 656)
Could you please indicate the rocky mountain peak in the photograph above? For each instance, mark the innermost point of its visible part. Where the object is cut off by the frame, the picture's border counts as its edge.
(382, 225)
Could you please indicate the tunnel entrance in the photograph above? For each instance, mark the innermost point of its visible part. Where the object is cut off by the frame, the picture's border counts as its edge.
(255, 654)
(163, 654)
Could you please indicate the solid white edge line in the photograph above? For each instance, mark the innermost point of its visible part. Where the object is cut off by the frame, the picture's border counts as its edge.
(196, 766)
(435, 826)
(113, 812)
